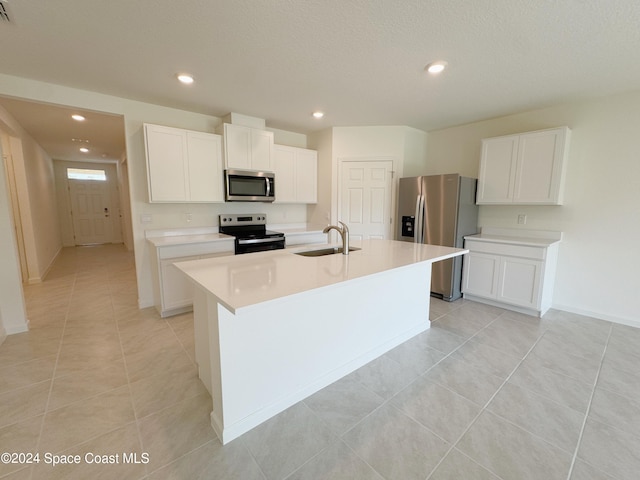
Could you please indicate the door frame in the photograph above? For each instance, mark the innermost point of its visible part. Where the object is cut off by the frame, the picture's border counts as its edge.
(64, 211)
(394, 180)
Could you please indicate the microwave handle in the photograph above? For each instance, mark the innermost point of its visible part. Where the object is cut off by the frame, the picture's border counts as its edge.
(268, 186)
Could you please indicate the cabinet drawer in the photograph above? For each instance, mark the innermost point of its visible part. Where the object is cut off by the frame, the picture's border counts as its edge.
(206, 248)
(524, 251)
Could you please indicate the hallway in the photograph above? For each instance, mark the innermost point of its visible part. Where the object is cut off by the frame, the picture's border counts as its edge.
(92, 365)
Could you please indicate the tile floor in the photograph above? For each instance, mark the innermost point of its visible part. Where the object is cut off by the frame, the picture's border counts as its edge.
(484, 394)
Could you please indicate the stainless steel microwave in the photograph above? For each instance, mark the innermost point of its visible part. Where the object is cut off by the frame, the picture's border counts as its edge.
(249, 186)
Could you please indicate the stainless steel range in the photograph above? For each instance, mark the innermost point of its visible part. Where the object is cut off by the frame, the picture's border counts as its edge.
(251, 232)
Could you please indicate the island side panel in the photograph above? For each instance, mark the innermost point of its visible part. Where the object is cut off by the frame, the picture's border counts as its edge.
(274, 356)
(201, 333)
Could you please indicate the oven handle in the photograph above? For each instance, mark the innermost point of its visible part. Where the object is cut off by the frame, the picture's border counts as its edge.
(259, 240)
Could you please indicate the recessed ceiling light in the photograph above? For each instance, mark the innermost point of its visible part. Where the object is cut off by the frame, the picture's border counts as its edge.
(318, 114)
(436, 67)
(185, 78)
(84, 150)
(78, 118)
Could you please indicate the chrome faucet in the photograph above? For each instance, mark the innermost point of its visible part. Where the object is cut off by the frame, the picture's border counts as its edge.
(344, 233)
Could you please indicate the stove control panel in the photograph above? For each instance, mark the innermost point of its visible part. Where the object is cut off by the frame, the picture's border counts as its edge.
(234, 220)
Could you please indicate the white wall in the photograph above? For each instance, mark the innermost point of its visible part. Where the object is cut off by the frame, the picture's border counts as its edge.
(13, 316)
(404, 145)
(599, 258)
(35, 186)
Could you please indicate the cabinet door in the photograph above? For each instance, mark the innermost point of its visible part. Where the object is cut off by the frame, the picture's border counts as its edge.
(307, 176)
(166, 150)
(480, 274)
(261, 150)
(519, 282)
(285, 171)
(539, 167)
(177, 290)
(205, 167)
(237, 146)
(497, 170)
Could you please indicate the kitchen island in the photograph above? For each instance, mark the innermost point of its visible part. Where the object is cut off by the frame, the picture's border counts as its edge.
(272, 328)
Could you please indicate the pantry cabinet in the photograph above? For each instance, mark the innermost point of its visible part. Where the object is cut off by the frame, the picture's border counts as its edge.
(183, 165)
(516, 272)
(296, 171)
(247, 148)
(524, 169)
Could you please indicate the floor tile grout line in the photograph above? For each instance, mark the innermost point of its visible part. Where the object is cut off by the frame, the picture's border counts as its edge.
(586, 415)
(126, 373)
(55, 367)
(389, 400)
(484, 408)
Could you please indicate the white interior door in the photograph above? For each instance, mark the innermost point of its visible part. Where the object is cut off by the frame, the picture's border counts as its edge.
(365, 198)
(91, 210)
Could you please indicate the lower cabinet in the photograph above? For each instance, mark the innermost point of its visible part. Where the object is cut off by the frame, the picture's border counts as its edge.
(514, 276)
(173, 291)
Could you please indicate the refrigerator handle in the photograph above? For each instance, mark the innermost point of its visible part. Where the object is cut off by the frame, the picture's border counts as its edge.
(420, 219)
(425, 220)
(416, 222)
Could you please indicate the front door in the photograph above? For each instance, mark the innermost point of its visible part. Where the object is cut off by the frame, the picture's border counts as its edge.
(91, 210)
(365, 198)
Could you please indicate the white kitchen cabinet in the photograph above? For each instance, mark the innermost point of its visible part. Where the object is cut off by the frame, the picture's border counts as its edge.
(172, 290)
(516, 273)
(247, 148)
(183, 165)
(524, 169)
(296, 171)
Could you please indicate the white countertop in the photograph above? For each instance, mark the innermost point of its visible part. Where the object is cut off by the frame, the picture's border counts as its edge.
(243, 281)
(188, 239)
(185, 236)
(532, 238)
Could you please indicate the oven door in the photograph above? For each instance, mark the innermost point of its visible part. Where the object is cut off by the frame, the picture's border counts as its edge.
(248, 186)
(250, 245)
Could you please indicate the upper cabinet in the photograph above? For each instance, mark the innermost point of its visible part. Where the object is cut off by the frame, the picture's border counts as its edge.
(296, 171)
(247, 148)
(183, 166)
(524, 169)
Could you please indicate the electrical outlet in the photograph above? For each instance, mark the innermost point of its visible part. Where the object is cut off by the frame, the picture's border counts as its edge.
(189, 217)
(146, 218)
(522, 219)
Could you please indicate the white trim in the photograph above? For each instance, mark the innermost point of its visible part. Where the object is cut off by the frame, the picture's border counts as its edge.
(632, 322)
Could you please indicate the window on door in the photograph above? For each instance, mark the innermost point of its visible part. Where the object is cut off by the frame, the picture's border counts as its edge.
(86, 174)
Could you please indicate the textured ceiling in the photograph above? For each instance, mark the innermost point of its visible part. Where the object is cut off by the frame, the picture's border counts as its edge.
(360, 61)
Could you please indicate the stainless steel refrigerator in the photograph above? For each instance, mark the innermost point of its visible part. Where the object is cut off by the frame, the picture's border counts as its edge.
(439, 210)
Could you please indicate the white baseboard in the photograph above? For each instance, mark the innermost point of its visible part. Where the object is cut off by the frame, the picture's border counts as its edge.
(142, 303)
(40, 279)
(632, 322)
(11, 330)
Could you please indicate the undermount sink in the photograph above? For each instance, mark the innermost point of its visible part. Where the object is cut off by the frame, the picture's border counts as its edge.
(325, 251)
